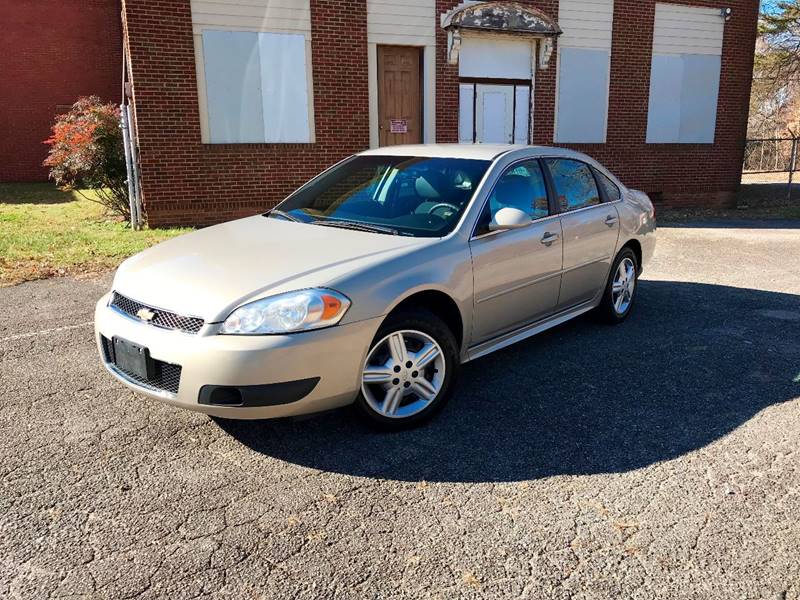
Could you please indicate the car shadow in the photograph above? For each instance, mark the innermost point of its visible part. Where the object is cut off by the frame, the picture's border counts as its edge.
(692, 363)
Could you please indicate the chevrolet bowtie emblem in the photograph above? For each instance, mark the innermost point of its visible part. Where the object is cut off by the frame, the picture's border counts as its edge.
(145, 314)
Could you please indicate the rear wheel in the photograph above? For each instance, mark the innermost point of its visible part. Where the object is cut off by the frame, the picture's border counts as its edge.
(409, 371)
(620, 289)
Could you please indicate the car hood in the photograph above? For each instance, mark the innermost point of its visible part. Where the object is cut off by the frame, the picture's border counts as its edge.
(210, 272)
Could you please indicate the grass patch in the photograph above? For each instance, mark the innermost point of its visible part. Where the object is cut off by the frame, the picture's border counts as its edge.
(45, 232)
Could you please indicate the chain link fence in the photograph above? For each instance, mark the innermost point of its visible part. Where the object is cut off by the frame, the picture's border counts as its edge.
(772, 156)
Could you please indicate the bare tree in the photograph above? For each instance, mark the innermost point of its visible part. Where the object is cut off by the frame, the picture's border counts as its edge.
(775, 99)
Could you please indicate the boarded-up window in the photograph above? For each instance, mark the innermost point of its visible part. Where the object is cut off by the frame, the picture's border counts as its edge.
(256, 87)
(522, 109)
(584, 59)
(684, 75)
(466, 115)
(495, 57)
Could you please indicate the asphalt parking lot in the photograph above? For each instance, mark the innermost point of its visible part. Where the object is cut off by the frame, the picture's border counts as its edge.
(660, 458)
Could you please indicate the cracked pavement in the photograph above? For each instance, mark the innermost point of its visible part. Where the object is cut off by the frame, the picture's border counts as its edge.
(654, 459)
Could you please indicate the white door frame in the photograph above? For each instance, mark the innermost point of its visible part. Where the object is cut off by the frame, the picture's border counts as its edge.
(476, 112)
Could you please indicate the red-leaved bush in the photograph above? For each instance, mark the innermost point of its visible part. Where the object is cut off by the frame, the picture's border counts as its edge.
(87, 152)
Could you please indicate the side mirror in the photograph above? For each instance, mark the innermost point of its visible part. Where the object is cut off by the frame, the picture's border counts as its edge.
(509, 218)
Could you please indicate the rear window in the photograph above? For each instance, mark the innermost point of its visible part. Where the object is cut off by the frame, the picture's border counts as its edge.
(574, 183)
(610, 188)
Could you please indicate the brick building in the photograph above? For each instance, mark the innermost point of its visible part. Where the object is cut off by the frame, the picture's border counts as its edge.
(237, 102)
(51, 53)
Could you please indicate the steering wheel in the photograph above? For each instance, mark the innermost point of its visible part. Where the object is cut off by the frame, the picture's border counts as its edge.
(436, 207)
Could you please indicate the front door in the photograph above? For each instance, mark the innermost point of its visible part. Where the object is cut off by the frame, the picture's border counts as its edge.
(494, 107)
(399, 95)
(516, 273)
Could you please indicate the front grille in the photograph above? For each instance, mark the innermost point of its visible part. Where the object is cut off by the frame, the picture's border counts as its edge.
(167, 376)
(161, 318)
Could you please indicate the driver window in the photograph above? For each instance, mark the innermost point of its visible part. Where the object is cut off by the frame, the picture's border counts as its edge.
(521, 186)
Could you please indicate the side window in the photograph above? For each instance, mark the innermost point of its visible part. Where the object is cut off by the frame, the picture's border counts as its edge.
(574, 183)
(521, 186)
(610, 188)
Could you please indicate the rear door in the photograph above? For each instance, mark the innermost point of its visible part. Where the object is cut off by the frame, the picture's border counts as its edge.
(590, 228)
(517, 272)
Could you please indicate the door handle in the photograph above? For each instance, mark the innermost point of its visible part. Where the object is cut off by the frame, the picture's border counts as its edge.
(611, 220)
(548, 238)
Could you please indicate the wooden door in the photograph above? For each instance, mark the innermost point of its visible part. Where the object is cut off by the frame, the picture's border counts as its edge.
(399, 95)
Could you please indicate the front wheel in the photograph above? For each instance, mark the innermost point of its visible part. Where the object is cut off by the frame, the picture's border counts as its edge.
(620, 289)
(409, 371)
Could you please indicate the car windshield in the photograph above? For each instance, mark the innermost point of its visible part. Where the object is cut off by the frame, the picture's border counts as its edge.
(421, 197)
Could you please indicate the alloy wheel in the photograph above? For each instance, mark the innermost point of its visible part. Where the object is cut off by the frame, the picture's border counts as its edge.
(623, 285)
(403, 374)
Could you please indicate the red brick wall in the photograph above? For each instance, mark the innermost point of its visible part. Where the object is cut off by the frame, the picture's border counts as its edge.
(187, 182)
(446, 83)
(51, 52)
(674, 174)
(544, 93)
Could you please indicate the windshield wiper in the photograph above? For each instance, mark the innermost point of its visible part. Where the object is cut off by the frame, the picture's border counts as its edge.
(283, 214)
(357, 226)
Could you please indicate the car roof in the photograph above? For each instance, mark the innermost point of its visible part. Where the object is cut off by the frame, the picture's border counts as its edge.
(473, 151)
(492, 152)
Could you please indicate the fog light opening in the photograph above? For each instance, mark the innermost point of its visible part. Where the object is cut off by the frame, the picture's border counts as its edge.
(226, 396)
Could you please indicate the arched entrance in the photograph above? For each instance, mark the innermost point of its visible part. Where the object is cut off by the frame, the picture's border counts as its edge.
(498, 47)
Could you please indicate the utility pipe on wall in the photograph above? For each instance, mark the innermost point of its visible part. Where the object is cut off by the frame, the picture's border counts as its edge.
(135, 168)
(128, 166)
(129, 141)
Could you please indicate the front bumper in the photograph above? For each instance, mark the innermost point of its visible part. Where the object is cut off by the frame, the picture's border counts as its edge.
(334, 356)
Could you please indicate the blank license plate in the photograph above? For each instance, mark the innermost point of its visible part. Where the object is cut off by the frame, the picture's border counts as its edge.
(132, 358)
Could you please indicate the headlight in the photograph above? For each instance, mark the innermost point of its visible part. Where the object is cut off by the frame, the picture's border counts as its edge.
(287, 313)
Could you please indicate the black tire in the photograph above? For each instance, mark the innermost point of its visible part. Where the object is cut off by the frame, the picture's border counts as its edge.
(606, 311)
(423, 321)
